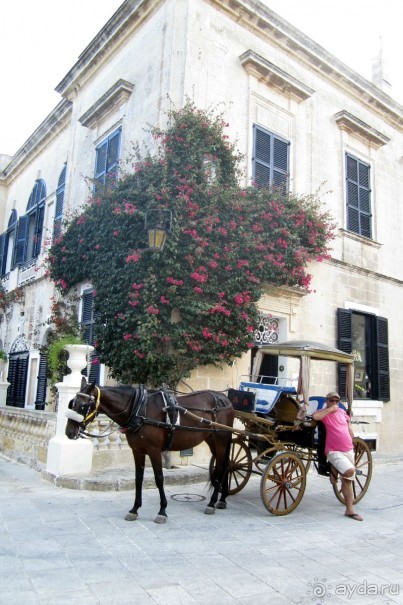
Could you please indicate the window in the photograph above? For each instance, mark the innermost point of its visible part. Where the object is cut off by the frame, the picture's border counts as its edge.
(30, 226)
(366, 337)
(88, 327)
(358, 196)
(7, 243)
(57, 222)
(270, 160)
(17, 377)
(106, 162)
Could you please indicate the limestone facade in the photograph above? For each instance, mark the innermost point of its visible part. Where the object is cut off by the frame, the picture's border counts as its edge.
(241, 57)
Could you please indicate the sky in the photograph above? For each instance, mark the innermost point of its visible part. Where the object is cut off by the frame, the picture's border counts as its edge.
(41, 40)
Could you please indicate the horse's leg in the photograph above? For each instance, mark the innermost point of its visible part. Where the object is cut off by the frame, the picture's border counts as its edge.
(221, 452)
(156, 461)
(224, 481)
(139, 460)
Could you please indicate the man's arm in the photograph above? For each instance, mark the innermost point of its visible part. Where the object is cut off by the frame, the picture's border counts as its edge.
(320, 414)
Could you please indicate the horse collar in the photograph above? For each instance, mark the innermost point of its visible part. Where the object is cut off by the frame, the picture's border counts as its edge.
(92, 414)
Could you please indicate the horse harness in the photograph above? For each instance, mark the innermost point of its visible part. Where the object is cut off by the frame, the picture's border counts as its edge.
(138, 413)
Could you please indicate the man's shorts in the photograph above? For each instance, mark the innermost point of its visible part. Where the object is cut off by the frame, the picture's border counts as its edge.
(342, 461)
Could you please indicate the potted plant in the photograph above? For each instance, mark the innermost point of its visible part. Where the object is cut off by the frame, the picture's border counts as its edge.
(57, 356)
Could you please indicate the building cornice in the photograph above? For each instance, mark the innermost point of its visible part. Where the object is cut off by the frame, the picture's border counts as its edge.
(271, 75)
(265, 23)
(56, 121)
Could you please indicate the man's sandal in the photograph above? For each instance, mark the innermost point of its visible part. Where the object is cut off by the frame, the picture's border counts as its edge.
(354, 516)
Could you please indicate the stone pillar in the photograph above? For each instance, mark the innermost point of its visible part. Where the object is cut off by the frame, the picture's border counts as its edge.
(66, 456)
(3, 393)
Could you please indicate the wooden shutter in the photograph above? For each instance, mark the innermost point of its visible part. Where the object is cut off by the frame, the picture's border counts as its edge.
(21, 241)
(17, 377)
(41, 382)
(88, 326)
(345, 344)
(3, 253)
(39, 218)
(113, 154)
(280, 163)
(382, 378)
(270, 159)
(358, 196)
(57, 221)
(100, 164)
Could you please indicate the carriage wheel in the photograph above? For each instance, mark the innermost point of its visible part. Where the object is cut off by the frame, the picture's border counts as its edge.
(240, 466)
(306, 456)
(283, 483)
(363, 465)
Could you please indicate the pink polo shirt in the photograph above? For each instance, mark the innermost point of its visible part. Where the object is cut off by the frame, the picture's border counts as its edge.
(338, 438)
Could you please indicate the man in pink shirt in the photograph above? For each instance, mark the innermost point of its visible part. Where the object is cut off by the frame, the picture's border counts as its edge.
(339, 447)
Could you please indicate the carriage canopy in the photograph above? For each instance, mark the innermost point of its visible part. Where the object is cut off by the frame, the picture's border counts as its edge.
(306, 351)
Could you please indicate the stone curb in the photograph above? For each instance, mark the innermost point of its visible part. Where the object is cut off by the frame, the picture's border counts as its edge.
(123, 479)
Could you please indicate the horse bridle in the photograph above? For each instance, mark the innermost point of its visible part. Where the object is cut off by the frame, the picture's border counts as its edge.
(90, 412)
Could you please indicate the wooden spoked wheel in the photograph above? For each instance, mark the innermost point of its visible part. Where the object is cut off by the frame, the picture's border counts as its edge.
(305, 456)
(283, 483)
(363, 465)
(240, 466)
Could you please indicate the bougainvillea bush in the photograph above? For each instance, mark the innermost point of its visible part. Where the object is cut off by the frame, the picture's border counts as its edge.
(160, 315)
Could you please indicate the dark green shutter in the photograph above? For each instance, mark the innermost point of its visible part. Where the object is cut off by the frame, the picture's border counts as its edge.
(41, 383)
(358, 196)
(382, 378)
(345, 344)
(17, 377)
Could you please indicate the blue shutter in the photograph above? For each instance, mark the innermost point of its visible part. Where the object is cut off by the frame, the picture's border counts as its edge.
(39, 218)
(21, 241)
(270, 159)
(3, 256)
(100, 164)
(88, 326)
(57, 221)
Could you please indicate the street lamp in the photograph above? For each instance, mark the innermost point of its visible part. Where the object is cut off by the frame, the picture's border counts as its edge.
(158, 223)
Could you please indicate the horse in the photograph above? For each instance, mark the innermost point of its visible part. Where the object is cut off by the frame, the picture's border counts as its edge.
(154, 422)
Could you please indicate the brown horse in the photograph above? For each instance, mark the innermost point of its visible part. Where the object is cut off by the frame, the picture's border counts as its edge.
(156, 421)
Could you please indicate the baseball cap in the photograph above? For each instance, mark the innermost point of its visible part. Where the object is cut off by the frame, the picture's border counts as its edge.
(332, 395)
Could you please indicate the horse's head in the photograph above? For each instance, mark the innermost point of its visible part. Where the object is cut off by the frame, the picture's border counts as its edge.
(82, 409)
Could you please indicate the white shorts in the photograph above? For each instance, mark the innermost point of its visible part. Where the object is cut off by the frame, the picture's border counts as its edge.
(342, 461)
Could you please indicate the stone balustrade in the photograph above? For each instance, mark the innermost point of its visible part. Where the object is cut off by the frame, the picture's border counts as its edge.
(25, 434)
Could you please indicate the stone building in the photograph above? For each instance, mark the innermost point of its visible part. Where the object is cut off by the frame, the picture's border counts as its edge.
(292, 107)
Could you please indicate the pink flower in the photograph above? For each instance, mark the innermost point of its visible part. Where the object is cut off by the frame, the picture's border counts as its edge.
(151, 310)
(198, 290)
(134, 257)
(175, 282)
(165, 301)
(127, 336)
(213, 264)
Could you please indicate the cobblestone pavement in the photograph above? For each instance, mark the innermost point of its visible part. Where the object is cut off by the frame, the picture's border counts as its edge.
(69, 546)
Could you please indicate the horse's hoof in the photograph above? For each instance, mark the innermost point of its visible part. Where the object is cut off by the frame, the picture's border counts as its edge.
(221, 505)
(131, 516)
(160, 519)
(209, 510)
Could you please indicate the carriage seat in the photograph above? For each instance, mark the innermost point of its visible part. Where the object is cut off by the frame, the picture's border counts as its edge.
(286, 409)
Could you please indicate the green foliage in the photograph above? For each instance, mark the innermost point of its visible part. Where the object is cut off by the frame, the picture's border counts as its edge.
(57, 357)
(3, 355)
(162, 315)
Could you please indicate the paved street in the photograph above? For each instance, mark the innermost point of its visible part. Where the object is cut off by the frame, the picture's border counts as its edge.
(67, 546)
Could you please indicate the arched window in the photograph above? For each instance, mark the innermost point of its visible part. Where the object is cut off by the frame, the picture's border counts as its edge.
(61, 185)
(7, 243)
(30, 226)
